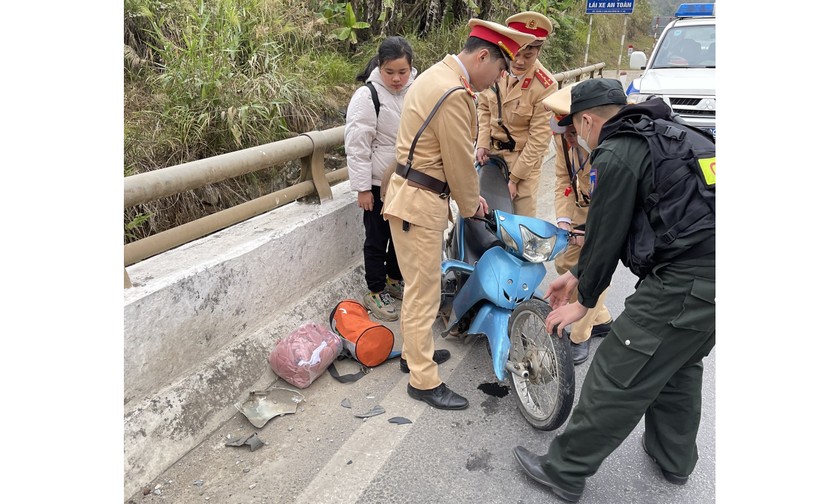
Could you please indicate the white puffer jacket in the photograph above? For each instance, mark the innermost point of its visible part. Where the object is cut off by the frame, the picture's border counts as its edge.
(370, 144)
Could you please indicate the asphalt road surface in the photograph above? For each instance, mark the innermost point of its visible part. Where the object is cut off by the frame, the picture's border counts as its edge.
(323, 454)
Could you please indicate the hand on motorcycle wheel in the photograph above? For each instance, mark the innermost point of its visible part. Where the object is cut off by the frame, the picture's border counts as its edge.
(564, 315)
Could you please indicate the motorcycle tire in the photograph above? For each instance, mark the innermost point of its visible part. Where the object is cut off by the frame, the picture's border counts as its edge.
(545, 397)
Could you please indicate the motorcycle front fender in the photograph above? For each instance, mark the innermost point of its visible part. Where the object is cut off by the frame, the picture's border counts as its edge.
(492, 321)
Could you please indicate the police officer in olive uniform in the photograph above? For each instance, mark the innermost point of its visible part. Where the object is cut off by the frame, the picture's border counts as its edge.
(572, 193)
(519, 130)
(435, 161)
(663, 229)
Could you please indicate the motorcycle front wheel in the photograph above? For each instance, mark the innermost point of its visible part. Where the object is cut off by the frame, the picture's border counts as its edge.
(545, 396)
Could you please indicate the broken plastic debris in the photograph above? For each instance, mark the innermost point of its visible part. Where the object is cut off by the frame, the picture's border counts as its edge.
(262, 406)
(345, 403)
(376, 410)
(252, 441)
(399, 420)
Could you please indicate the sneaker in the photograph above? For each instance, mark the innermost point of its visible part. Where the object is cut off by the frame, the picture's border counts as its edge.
(381, 306)
(395, 288)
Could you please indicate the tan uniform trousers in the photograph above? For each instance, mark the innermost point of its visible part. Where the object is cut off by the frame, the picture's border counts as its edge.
(582, 329)
(419, 254)
(525, 202)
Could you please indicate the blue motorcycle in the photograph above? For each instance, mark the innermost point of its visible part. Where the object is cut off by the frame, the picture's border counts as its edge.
(490, 274)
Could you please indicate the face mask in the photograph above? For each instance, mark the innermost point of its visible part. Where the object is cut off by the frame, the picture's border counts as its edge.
(583, 143)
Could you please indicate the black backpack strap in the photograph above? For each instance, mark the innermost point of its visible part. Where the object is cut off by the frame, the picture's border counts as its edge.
(374, 96)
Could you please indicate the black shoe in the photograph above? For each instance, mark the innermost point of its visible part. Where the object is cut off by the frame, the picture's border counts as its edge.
(532, 465)
(580, 351)
(669, 476)
(601, 330)
(440, 357)
(439, 397)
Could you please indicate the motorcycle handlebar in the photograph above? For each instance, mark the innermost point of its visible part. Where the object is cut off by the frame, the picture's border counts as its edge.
(489, 220)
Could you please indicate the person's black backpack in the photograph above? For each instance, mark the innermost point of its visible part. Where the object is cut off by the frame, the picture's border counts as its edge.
(374, 96)
(684, 178)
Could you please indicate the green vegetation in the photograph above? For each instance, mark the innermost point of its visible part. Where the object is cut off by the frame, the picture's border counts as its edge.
(205, 77)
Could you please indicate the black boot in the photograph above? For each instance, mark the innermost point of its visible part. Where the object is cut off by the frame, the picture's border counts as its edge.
(580, 352)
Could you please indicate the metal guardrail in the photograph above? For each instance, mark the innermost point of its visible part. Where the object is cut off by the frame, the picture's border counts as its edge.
(308, 147)
(150, 186)
(577, 73)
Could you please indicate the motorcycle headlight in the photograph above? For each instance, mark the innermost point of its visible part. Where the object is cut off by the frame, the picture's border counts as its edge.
(537, 248)
(508, 239)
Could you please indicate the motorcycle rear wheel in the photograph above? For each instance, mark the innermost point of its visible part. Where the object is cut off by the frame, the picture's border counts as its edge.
(545, 397)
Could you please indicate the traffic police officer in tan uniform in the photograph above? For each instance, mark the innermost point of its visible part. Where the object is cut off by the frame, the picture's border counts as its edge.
(522, 135)
(440, 164)
(572, 193)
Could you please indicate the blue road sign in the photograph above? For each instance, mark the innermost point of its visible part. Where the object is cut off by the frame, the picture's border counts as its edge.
(609, 6)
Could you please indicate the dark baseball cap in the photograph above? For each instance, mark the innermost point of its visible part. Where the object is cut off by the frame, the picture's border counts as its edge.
(593, 93)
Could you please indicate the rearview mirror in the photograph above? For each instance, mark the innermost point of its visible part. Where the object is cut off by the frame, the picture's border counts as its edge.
(638, 60)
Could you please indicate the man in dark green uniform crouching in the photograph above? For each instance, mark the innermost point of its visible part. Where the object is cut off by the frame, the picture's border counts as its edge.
(652, 206)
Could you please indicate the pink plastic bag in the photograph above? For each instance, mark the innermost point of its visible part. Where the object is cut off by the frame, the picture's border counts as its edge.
(305, 354)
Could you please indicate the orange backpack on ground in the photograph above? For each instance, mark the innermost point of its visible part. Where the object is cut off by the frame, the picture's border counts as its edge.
(366, 341)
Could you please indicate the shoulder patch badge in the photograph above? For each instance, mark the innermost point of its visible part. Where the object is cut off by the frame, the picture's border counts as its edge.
(545, 79)
(468, 88)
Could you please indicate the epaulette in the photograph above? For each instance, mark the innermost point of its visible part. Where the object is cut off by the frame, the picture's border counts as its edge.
(544, 78)
(468, 88)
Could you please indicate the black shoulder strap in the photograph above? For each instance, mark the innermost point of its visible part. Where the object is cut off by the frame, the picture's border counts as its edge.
(569, 170)
(427, 121)
(374, 96)
(347, 378)
(499, 120)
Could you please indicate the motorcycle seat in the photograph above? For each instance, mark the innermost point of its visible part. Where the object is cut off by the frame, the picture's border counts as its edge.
(492, 181)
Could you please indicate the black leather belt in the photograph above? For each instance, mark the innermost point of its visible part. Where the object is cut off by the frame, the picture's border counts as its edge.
(423, 181)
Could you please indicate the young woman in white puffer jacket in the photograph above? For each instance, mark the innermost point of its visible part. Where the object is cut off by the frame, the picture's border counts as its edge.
(370, 143)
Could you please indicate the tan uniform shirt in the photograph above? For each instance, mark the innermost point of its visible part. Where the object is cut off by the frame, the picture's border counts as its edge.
(444, 150)
(524, 115)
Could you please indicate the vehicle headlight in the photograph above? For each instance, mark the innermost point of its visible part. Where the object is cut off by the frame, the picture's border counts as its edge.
(537, 248)
(634, 98)
(508, 239)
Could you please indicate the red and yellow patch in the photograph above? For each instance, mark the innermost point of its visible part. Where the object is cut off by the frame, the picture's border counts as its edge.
(545, 79)
(468, 88)
(526, 83)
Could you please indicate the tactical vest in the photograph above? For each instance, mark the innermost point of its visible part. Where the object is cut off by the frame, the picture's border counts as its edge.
(673, 221)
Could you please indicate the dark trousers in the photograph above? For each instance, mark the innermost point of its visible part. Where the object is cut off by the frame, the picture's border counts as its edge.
(380, 258)
(649, 364)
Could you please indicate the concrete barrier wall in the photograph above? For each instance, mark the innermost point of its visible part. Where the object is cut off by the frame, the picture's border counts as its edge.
(200, 321)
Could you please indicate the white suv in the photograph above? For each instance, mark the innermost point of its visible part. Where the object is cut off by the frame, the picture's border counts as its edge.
(682, 67)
